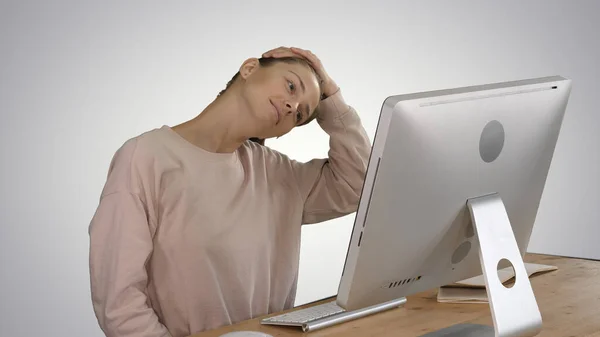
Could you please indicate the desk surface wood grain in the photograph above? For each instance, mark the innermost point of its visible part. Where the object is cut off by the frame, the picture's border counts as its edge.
(568, 298)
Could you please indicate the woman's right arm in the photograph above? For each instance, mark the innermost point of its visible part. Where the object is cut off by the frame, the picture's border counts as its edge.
(120, 245)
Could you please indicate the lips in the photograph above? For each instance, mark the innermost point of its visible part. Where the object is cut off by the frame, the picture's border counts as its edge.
(277, 113)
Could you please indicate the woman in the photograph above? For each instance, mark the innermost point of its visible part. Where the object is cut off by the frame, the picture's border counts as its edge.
(199, 227)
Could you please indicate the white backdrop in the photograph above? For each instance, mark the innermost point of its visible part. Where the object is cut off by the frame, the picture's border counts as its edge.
(78, 78)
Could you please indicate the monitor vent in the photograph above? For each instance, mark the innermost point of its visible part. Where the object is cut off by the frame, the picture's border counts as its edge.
(403, 282)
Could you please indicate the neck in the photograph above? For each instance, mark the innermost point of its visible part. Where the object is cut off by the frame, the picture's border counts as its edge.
(221, 127)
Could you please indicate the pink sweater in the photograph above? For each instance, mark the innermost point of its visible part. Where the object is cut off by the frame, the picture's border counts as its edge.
(185, 240)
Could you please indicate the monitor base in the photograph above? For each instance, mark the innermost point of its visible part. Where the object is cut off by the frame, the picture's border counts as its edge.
(463, 330)
(514, 308)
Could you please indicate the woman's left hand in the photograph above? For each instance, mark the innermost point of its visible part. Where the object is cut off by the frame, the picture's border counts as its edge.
(328, 86)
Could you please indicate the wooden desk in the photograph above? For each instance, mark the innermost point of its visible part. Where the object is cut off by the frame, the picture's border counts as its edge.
(569, 300)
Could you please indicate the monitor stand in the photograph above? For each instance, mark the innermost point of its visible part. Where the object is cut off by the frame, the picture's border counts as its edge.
(514, 309)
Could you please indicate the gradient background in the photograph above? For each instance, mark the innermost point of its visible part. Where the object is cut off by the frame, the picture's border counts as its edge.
(78, 78)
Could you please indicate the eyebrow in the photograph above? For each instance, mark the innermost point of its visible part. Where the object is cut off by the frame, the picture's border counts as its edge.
(307, 106)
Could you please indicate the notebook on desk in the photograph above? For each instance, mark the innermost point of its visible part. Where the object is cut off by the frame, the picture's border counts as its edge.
(472, 290)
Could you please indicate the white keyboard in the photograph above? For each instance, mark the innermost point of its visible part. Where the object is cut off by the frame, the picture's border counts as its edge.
(307, 314)
(326, 314)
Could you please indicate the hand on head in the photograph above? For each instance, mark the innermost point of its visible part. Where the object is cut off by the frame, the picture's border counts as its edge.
(328, 86)
(279, 91)
(266, 98)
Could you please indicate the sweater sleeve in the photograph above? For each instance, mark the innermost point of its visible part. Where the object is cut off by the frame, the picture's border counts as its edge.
(120, 245)
(331, 187)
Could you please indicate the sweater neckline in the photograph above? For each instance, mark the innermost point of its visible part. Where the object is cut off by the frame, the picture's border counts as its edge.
(212, 156)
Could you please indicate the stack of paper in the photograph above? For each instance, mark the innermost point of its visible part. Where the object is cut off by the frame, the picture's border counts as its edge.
(472, 290)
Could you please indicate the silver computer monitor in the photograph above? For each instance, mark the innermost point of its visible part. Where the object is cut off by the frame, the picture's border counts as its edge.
(452, 191)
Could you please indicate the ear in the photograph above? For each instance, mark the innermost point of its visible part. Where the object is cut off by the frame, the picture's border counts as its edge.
(248, 67)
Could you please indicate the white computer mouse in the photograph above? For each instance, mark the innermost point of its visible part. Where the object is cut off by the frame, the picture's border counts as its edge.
(246, 334)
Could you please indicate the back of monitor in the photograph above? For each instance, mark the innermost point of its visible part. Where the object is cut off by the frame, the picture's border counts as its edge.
(432, 152)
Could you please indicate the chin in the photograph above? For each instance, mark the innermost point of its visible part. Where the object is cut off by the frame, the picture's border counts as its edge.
(268, 134)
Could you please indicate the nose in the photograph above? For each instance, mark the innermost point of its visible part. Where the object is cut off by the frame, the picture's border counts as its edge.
(291, 106)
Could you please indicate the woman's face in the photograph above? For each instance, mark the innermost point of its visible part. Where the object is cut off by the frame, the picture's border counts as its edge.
(279, 97)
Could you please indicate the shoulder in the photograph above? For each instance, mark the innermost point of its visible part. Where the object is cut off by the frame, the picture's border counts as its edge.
(135, 148)
(278, 167)
(128, 161)
(273, 168)
(266, 156)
